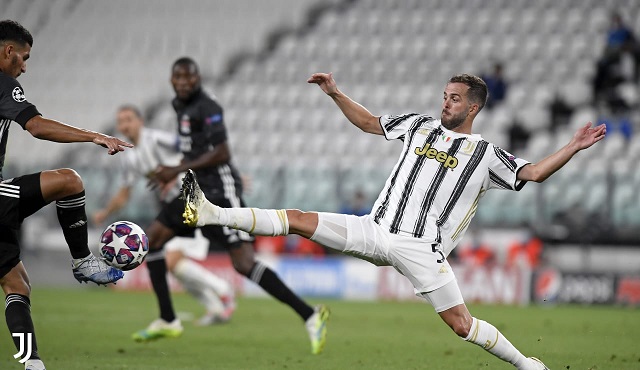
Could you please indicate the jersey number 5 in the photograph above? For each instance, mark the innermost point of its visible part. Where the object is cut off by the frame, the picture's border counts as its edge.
(437, 248)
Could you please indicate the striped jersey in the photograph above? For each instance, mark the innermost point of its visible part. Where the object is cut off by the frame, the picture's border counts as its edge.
(154, 148)
(13, 107)
(434, 188)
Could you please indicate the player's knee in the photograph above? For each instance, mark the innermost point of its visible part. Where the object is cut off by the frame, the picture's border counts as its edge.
(242, 268)
(461, 327)
(302, 223)
(16, 286)
(71, 180)
(294, 215)
(172, 258)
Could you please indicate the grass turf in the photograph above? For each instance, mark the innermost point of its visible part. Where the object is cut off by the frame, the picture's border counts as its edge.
(90, 329)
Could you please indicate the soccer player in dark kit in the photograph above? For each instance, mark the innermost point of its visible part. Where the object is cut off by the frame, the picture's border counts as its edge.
(203, 142)
(22, 196)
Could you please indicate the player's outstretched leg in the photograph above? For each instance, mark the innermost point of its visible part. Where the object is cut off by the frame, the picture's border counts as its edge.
(198, 211)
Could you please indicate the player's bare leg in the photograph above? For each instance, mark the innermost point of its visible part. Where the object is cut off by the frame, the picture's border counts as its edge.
(65, 187)
(488, 337)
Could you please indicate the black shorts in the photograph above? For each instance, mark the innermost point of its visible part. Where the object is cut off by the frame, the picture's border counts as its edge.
(20, 197)
(220, 237)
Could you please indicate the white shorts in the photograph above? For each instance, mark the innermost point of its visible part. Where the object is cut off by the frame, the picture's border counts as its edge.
(360, 236)
(445, 297)
(196, 248)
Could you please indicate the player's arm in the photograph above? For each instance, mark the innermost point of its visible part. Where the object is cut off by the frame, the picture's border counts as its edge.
(220, 154)
(585, 137)
(51, 130)
(355, 112)
(116, 203)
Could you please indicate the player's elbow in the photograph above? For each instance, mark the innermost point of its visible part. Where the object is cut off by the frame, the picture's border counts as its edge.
(371, 125)
(225, 156)
(35, 127)
(532, 173)
(538, 176)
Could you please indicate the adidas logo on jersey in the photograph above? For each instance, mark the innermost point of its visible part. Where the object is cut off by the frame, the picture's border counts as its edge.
(447, 160)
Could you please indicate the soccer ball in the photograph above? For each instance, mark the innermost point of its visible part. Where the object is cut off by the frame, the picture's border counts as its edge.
(124, 245)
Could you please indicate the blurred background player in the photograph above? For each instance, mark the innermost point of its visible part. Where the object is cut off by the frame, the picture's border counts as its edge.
(22, 196)
(496, 84)
(154, 148)
(203, 141)
(414, 226)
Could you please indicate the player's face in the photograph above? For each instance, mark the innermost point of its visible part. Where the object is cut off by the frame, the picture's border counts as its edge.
(455, 106)
(129, 124)
(17, 59)
(185, 80)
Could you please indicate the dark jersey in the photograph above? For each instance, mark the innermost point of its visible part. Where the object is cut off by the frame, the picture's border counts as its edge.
(200, 128)
(13, 107)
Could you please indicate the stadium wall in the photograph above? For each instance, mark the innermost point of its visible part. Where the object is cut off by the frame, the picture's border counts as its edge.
(352, 279)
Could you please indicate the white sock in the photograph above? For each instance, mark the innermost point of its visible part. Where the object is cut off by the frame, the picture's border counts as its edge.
(270, 222)
(192, 272)
(488, 337)
(205, 296)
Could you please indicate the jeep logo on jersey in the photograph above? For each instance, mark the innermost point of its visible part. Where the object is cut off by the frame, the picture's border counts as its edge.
(432, 153)
(18, 95)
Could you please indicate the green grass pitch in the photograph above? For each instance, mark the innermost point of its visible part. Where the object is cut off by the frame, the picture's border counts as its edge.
(91, 328)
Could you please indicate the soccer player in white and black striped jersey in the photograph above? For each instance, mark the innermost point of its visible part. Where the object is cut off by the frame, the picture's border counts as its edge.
(153, 148)
(425, 206)
(22, 196)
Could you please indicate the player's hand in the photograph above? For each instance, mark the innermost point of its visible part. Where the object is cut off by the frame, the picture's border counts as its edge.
(114, 144)
(325, 81)
(166, 188)
(587, 136)
(164, 175)
(100, 216)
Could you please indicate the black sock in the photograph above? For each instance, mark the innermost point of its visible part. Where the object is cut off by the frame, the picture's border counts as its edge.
(271, 283)
(18, 314)
(73, 220)
(157, 267)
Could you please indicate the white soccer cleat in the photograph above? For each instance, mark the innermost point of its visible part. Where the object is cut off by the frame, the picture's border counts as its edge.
(537, 364)
(317, 328)
(159, 329)
(194, 200)
(219, 317)
(93, 269)
(34, 365)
